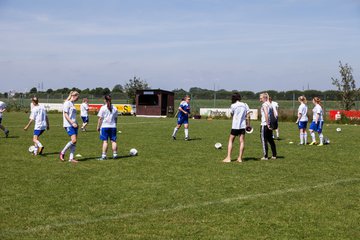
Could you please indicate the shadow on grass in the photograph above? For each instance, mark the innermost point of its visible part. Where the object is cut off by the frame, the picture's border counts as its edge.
(194, 139)
(108, 159)
(12, 137)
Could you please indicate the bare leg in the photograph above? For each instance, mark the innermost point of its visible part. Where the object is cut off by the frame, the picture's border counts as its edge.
(230, 145)
(242, 147)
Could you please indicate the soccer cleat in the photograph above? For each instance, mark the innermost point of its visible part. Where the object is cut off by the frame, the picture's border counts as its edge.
(187, 139)
(174, 138)
(101, 158)
(40, 151)
(313, 143)
(320, 145)
(115, 157)
(264, 158)
(273, 157)
(7, 133)
(62, 156)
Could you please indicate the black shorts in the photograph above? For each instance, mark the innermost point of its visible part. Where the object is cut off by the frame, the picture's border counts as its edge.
(237, 132)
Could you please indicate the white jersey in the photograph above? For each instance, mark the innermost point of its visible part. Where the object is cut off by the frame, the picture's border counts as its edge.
(239, 110)
(84, 108)
(109, 119)
(275, 107)
(70, 109)
(317, 110)
(265, 105)
(38, 114)
(303, 111)
(2, 106)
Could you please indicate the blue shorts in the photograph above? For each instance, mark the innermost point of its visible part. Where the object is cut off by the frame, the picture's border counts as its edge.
(71, 131)
(85, 119)
(183, 120)
(302, 124)
(106, 133)
(38, 132)
(317, 127)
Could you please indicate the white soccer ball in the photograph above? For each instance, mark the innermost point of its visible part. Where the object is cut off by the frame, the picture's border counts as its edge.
(133, 152)
(338, 129)
(218, 145)
(32, 148)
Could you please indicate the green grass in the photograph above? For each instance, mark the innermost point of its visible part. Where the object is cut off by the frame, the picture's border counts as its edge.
(178, 189)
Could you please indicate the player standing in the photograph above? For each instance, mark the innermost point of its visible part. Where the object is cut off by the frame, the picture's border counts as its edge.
(318, 122)
(84, 113)
(3, 109)
(265, 129)
(70, 125)
(108, 115)
(183, 118)
(241, 119)
(39, 117)
(302, 120)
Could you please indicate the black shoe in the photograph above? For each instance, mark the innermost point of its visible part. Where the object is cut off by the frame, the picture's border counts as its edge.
(174, 138)
(7, 133)
(41, 150)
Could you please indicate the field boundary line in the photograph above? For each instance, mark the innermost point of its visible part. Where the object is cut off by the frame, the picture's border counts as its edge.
(48, 227)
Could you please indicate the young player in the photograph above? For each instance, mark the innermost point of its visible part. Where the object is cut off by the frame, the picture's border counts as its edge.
(241, 119)
(275, 107)
(3, 109)
(107, 121)
(318, 122)
(302, 120)
(265, 129)
(84, 109)
(39, 117)
(70, 125)
(183, 118)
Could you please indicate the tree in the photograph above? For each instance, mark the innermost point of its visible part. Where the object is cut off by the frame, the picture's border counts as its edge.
(33, 90)
(118, 88)
(133, 85)
(346, 86)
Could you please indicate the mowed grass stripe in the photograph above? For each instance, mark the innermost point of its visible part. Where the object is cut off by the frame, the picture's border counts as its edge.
(180, 207)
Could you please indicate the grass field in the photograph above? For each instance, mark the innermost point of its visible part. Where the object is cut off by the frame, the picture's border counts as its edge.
(178, 189)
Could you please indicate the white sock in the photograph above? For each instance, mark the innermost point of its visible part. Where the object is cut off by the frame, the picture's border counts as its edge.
(72, 151)
(115, 154)
(301, 138)
(277, 133)
(39, 143)
(321, 136)
(313, 136)
(66, 147)
(36, 149)
(103, 155)
(175, 131)
(305, 138)
(186, 132)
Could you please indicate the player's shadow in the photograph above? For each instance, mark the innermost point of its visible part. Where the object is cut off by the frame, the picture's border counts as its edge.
(194, 139)
(259, 159)
(12, 137)
(49, 154)
(108, 159)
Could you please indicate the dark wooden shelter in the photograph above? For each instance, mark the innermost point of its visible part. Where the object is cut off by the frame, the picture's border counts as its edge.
(154, 102)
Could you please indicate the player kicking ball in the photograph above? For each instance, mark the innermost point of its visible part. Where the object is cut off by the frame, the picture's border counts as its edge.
(39, 117)
(183, 118)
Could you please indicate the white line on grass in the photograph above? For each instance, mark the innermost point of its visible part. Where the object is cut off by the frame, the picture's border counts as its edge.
(176, 208)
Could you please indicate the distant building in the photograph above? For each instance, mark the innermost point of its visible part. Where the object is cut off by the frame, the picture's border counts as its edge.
(154, 103)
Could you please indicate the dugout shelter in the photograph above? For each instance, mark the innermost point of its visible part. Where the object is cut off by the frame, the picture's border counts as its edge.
(154, 103)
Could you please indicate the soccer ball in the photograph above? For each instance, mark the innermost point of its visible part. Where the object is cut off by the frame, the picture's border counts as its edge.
(32, 148)
(338, 129)
(218, 145)
(133, 152)
(249, 129)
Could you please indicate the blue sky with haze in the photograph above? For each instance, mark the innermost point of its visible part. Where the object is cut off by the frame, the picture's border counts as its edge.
(231, 44)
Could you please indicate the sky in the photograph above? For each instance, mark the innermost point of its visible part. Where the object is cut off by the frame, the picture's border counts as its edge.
(178, 44)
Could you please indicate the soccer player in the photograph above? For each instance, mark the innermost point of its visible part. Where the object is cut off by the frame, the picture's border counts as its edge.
(302, 120)
(275, 107)
(107, 121)
(3, 109)
(318, 122)
(183, 118)
(39, 117)
(265, 129)
(241, 119)
(70, 125)
(84, 109)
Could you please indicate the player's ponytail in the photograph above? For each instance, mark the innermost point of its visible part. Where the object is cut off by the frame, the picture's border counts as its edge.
(108, 102)
(317, 100)
(302, 99)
